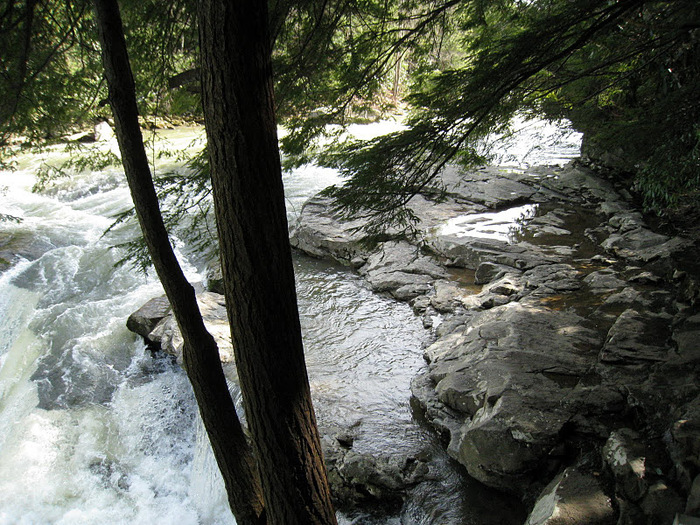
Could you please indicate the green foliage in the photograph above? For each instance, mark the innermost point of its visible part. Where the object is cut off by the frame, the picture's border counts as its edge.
(635, 91)
(51, 72)
(187, 208)
(671, 175)
(162, 41)
(337, 62)
(625, 72)
(49, 75)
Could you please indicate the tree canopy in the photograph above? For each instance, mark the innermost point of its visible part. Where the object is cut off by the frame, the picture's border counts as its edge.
(624, 72)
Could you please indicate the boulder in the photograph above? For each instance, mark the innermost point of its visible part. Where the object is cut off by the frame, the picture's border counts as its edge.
(215, 277)
(18, 243)
(320, 232)
(401, 269)
(488, 271)
(687, 338)
(146, 318)
(552, 278)
(692, 505)
(370, 479)
(661, 504)
(514, 374)
(491, 186)
(155, 322)
(636, 337)
(625, 456)
(603, 281)
(572, 498)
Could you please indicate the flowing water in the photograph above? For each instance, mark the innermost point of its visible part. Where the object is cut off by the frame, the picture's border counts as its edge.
(96, 429)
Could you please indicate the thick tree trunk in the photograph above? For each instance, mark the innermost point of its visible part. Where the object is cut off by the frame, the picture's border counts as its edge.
(201, 357)
(256, 260)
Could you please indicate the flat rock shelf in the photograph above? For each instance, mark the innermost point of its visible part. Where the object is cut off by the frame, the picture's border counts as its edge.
(564, 356)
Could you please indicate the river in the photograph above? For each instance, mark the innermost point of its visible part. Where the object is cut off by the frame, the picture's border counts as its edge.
(96, 429)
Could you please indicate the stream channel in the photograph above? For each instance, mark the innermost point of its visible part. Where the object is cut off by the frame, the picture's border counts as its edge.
(96, 429)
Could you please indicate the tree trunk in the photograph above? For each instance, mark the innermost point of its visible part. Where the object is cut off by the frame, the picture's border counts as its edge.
(200, 353)
(256, 260)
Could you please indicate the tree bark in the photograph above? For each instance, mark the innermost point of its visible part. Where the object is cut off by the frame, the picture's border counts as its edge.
(200, 353)
(256, 258)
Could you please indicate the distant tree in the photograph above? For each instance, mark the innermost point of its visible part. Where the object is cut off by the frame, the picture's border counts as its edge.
(47, 77)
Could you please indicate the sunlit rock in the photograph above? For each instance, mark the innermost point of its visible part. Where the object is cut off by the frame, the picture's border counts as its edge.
(573, 498)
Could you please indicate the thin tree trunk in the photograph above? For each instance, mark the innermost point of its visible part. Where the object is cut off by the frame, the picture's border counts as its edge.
(201, 357)
(256, 260)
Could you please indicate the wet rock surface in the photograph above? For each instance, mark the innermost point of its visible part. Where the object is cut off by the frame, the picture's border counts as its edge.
(155, 323)
(565, 351)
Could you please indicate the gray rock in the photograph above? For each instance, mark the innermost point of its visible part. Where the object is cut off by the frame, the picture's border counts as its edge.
(687, 339)
(581, 184)
(103, 131)
(319, 232)
(644, 246)
(504, 286)
(685, 434)
(513, 373)
(636, 337)
(490, 186)
(145, 319)
(448, 296)
(685, 519)
(573, 498)
(215, 277)
(645, 278)
(488, 271)
(470, 252)
(388, 281)
(399, 268)
(360, 478)
(165, 333)
(503, 449)
(624, 455)
(553, 278)
(692, 505)
(625, 298)
(19, 243)
(661, 504)
(411, 291)
(604, 281)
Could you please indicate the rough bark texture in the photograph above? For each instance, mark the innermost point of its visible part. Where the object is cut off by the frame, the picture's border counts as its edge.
(256, 260)
(200, 354)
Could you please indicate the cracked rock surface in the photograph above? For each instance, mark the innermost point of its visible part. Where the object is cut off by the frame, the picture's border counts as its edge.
(566, 337)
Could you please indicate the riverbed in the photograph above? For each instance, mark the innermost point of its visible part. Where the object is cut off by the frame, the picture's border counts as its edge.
(94, 428)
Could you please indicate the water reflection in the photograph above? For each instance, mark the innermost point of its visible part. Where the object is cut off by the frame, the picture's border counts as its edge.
(504, 225)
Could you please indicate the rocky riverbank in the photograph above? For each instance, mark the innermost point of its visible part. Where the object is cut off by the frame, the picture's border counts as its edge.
(565, 353)
(564, 358)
